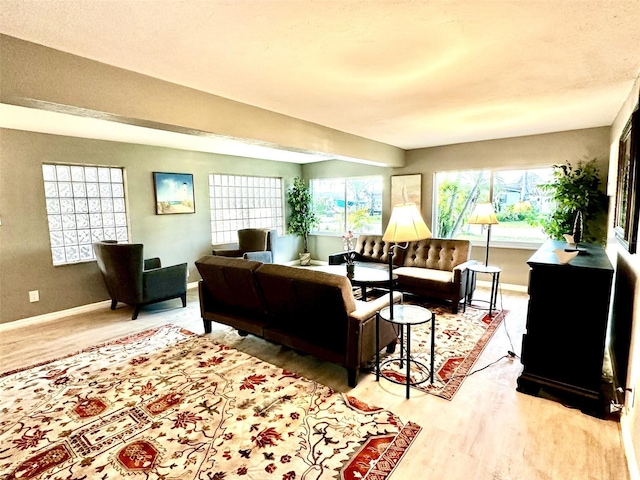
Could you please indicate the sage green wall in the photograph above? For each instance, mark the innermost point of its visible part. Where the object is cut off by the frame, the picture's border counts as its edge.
(521, 152)
(25, 255)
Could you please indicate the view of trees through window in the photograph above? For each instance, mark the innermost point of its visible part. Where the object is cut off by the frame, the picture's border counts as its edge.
(348, 204)
(518, 201)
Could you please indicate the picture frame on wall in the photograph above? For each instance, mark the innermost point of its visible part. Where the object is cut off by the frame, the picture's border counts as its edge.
(174, 193)
(406, 189)
(627, 206)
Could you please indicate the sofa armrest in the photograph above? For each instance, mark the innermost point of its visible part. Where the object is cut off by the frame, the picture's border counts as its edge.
(365, 310)
(463, 266)
(151, 263)
(264, 257)
(337, 258)
(165, 282)
(228, 253)
(460, 273)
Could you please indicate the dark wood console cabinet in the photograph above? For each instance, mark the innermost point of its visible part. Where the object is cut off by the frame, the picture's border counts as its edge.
(564, 343)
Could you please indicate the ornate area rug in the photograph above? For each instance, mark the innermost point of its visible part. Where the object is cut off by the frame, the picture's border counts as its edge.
(460, 339)
(169, 404)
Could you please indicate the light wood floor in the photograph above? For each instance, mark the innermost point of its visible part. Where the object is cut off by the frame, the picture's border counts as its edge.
(487, 432)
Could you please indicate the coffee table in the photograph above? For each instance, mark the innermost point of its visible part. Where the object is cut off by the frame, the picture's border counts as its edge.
(363, 277)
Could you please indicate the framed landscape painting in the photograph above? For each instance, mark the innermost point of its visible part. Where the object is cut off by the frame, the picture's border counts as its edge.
(406, 189)
(174, 193)
(627, 206)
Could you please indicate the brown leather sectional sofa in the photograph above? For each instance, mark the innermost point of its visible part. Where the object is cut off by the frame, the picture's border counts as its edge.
(433, 268)
(310, 311)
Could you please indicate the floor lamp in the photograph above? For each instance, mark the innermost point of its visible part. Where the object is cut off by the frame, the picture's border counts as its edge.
(406, 225)
(484, 214)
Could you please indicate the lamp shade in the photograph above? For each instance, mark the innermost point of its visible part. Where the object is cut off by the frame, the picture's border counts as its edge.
(406, 225)
(483, 214)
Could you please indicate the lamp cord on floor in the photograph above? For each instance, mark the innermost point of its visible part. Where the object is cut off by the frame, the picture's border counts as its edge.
(510, 353)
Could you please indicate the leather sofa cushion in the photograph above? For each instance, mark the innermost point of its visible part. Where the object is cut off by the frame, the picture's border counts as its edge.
(373, 248)
(233, 280)
(437, 254)
(307, 303)
(425, 278)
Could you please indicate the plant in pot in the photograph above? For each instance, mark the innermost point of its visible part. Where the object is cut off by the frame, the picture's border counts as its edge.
(580, 204)
(302, 218)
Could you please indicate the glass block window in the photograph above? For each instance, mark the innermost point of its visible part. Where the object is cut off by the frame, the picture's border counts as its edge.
(238, 202)
(85, 204)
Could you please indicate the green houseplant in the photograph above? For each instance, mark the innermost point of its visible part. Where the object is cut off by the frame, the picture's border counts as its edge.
(576, 190)
(303, 218)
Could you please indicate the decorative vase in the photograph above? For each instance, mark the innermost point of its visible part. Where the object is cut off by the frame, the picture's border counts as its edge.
(578, 228)
(305, 259)
(351, 267)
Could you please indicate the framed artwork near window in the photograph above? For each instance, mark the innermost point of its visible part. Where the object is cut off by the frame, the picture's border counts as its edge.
(174, 193)
(627, 207)
(406, 189)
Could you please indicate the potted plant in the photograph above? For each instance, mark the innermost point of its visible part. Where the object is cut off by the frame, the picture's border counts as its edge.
(579, 201)
(302, 218)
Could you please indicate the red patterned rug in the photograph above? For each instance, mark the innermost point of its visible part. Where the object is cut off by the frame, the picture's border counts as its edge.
(460, 339)
(169, 404)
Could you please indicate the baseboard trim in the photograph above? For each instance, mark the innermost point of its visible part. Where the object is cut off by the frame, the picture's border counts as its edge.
(629, 450)
(48, 317)
(505, 286)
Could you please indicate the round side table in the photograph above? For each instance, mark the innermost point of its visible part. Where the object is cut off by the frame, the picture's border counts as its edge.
(495, 281)
(405, 316)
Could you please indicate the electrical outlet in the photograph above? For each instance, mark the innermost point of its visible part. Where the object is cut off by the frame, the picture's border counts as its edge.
(34, 296)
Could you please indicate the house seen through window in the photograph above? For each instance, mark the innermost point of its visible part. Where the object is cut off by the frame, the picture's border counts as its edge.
(344, 204)
(516, 196)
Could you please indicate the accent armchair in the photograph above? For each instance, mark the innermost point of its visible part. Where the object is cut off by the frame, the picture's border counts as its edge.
(257, 244)
(132, 280)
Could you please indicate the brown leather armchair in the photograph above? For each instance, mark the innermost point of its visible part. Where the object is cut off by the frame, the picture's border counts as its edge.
(132, 280)
(256, 244)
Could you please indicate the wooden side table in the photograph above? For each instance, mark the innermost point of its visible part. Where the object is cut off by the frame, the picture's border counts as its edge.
(405, 316)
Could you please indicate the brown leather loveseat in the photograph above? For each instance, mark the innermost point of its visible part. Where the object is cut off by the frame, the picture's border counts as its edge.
(432, 268)
(310, 311)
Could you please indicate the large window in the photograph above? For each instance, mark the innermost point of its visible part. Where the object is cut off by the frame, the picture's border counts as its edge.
(85, 204)
(519, 203)
(348, 204)
(238, 202)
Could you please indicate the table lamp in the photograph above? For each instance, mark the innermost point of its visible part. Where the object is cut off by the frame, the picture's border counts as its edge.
(483, 214)
(406, 225)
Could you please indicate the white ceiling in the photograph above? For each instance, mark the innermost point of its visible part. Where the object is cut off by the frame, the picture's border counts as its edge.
(408, 73)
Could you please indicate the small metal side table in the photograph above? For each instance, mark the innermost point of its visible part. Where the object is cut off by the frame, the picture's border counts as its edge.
(495, 281)
(405, 316)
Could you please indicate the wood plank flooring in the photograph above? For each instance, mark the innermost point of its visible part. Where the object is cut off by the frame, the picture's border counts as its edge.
(488, 431)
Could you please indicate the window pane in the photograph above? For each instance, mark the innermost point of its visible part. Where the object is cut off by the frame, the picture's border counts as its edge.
(79, 209)
(457, 193)
(364, 205)
(328, 200)
(520, 204)
(348, 204)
